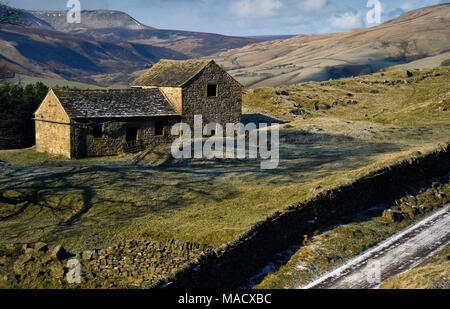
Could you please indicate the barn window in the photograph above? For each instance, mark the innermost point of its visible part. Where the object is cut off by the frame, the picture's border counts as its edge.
(159, 128)
(212, 91)
(131, 134)
(98, 131)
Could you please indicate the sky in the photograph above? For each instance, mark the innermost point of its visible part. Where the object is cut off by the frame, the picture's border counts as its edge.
(248, 17)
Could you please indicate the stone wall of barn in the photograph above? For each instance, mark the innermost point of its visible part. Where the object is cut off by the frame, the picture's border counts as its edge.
(174, 95)
(113, 141)
(53, 138)
(223, 109)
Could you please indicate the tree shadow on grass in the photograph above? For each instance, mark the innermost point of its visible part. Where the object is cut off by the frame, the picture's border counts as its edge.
(111, 195)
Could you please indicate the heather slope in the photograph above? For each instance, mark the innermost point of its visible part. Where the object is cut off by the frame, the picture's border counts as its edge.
(417, 34)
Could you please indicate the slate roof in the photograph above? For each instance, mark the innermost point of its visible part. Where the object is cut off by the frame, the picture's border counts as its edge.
(171, 73)
(129, 103)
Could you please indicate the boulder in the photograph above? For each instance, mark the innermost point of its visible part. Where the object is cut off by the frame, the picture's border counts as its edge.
(58, 253)
(392, 216)
(409, 74)
(324, 106)
(40, 247)
(24, 259)
(283, 93)
(88, 255)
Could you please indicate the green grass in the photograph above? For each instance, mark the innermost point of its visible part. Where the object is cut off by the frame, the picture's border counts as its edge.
(423, 276)
(25, 157)
(97, 203)
(365, 98)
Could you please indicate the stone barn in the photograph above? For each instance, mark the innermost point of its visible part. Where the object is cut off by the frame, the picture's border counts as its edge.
(90, 123)
(196, 87)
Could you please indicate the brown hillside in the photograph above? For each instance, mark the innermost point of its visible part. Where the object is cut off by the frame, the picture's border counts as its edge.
(45, 53)
(414, 35)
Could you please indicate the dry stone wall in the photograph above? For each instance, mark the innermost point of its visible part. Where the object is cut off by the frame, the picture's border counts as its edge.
(231, 265)
(132, 264)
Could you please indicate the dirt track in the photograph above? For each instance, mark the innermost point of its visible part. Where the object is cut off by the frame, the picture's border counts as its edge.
(394, 256)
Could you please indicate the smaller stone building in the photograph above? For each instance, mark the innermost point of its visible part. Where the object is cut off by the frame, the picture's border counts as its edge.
(88, 123)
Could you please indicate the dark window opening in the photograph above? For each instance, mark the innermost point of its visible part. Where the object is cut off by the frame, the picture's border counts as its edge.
(213, 133)
(212, 90)
(159, 128)
(132, 134)
(98, 131)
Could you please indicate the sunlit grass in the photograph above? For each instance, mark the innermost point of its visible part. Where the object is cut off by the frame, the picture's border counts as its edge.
(95, 203)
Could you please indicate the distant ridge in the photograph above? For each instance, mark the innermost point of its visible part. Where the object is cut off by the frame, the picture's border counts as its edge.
(119, 26)
(93, 19)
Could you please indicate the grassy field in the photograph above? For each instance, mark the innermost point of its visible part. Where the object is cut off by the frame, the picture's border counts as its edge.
(97, 203)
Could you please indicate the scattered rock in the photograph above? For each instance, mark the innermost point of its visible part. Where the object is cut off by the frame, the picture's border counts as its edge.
(283, 93)
(9, 278)
(324, 106)
(11, 247)
(59, 253)
(392, 216)
(296, 112)
(410, 211)
(40, 247)
(24, 259)
(441, 284)
(409, 74)
(88, 255)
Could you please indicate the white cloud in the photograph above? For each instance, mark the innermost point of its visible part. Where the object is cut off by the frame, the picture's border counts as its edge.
(313, 6)
(409, 5)
(255, 8)
(346, 21)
